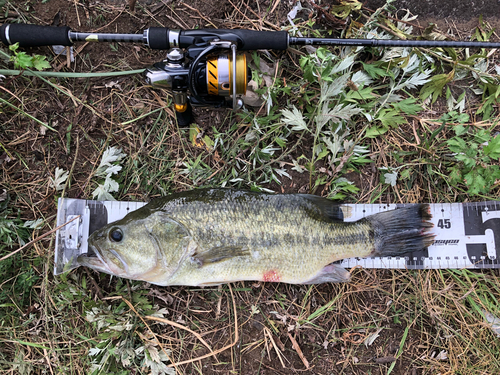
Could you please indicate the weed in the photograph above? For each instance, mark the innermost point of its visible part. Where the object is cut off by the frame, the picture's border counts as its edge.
(18, 272)
(476, 153)
(22, 60)
(13, 230)
(108, 167)
(121, 342)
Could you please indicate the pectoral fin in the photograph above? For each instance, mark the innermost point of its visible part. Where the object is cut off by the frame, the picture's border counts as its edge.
(332, 273)
(220, 253)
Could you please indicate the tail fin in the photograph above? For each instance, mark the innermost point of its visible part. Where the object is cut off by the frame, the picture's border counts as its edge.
(403, 230)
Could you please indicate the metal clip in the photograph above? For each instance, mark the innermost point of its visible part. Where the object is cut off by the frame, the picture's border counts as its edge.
(73, 233)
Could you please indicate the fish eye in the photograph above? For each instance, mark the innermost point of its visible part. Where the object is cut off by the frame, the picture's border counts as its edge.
(116, 235)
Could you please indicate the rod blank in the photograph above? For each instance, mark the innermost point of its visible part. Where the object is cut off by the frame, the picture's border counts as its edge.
(392, 43)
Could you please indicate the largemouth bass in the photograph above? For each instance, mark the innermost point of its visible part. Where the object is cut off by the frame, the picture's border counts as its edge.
(215, 236)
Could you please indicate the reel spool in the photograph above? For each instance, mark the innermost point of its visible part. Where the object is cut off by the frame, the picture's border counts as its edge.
(220, 75)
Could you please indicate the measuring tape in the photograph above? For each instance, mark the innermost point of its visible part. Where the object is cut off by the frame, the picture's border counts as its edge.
(467, 234)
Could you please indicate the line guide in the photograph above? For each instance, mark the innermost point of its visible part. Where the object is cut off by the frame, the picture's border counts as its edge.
(467, 234)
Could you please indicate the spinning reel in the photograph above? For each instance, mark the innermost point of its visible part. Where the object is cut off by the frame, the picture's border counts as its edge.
(213, 77)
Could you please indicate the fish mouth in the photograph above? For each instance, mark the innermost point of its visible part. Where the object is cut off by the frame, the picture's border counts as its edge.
(93, 259)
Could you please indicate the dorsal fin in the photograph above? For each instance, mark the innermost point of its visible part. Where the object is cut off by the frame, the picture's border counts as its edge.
(327, 209)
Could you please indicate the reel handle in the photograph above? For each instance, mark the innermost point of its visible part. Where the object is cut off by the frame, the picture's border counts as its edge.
(34, 35)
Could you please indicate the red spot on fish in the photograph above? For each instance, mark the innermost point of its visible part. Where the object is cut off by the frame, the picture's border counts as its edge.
(271, 276)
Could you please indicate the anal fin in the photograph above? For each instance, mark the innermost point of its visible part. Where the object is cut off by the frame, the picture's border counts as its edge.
(332, 273)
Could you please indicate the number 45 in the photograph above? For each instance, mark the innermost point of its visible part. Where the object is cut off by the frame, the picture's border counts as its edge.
(444, 223)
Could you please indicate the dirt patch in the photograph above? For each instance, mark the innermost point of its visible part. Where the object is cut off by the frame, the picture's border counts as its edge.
(273, 319)
(447, 14)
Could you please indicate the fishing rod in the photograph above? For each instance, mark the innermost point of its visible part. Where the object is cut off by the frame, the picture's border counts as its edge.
(203, 67)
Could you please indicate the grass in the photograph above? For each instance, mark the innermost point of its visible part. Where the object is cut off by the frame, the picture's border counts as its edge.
(360, 126)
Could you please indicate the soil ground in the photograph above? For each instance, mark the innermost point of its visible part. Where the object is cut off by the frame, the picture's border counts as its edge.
(260, 349)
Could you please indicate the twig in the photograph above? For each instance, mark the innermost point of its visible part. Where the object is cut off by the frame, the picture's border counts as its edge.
(77, 14)
(201, 15)
(38, 239)
(72, 166)
(278, 353)
(236, 338)
(77, 52)
(274, 6)
(244, 15)
(48, 360)
(299, 351)
(131, 4)
(177, 325)
(327, 15)
(94, 283)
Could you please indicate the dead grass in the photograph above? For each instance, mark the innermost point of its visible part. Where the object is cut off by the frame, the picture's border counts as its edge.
(425, 322)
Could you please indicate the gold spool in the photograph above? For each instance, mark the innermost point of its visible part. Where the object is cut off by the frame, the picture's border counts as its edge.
(212, 76)
(241, 74)
(220, 75)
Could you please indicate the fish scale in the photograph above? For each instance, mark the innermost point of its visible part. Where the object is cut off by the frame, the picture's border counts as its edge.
(234, 222)
(227, 222)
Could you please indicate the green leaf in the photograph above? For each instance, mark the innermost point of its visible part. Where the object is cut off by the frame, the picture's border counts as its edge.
(457, 145)
(344, 9)
(309, 68)
(463, 118)
(374, 71)
(452, 53)
(455, 175)
(475, 182)
(487, 107)
(375, 131)
(280, 141)
(435, 86)
(22, 60)
(482, 136)
(323, 153)
(408, 106)
(40, 62)
(364, 94)
(493, 148)
(468, 161)
(14, 47)
(390, 118)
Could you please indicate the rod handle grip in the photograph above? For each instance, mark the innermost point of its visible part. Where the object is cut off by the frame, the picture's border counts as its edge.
(254, 40)
(34, 35)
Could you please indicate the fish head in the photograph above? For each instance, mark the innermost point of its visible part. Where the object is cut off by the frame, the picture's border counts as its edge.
(139, 247)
